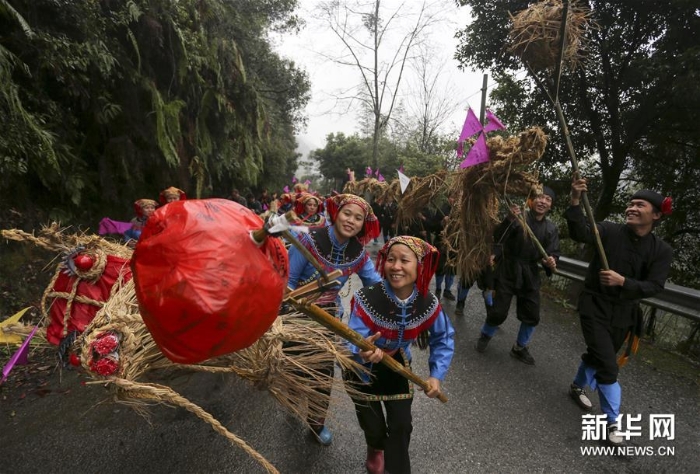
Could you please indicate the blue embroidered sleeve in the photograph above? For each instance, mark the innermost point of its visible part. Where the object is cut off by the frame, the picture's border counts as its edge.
(297, 266)
(442, 346)
(357, 325)
(368, 274)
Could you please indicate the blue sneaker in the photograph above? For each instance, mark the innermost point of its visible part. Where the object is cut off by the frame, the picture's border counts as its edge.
(324, 436)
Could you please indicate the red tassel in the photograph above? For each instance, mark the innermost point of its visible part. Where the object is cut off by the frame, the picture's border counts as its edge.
(426, 270)
(332, 208)
(299, 208)
(667, 206)
(370, 231)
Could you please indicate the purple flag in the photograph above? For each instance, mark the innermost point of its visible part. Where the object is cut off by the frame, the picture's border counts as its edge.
(108, 226)
(493, 123)
(368, 172)
(380, 178)
(286, 189)
(376, 173)
(470, 127)
(294, 179)
(19, 357)
(401, 169)
(479, 153)
(307, 182)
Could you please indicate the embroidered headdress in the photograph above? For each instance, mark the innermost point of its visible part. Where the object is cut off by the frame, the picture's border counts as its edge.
(427, 255)
(141, 203)
(370, 229)
(300, 206)
(172, 191)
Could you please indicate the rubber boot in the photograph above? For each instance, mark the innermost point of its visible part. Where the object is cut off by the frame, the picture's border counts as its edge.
(375, 461)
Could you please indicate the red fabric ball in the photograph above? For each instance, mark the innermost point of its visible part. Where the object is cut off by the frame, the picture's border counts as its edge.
(204, 287)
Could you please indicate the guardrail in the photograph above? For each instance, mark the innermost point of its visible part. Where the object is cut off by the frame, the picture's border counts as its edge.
(673, 299)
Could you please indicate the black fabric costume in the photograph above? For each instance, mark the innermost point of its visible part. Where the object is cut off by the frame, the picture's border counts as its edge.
(400, 326)
(517, 268)
(609, 313)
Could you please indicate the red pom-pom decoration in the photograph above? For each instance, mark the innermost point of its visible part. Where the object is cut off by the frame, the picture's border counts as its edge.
(106, 365)
(106, 343)
(667, 206)
(83, 262)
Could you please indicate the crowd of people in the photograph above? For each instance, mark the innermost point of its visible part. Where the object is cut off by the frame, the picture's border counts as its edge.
(394, 309)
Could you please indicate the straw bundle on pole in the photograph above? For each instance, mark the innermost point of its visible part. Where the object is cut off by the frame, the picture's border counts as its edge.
(470, 228)
(391, 193)
(365, 186)
(535, 35)
(420, 194)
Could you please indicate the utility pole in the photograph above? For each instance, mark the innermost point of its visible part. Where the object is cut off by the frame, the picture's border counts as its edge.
(482, 114)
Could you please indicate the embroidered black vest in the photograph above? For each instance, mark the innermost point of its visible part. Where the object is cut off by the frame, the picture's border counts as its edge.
(349, 259)
(380, 312)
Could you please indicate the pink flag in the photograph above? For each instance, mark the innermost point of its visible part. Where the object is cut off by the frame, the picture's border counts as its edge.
(380, 178)
(294, 179)
(307, 182)
(286, 189)
(470, 127)
(493, 123)
(19, 357)
(368, 171)
(376, 173)
(479, 153)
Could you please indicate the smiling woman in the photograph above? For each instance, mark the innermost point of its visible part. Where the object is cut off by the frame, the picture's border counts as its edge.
(392, 315)
(339, 246)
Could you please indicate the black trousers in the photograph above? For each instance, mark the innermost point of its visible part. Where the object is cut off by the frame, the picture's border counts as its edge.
(392, 432)
(527, 305)
(603, 338)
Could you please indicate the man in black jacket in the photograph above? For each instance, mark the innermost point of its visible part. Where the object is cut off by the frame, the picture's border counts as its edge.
(517, 272)
(608, 307)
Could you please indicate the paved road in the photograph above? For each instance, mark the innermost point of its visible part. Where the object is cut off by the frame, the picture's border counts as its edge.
(503, 416)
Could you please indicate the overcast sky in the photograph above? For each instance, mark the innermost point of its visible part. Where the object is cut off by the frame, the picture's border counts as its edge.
(326, 116)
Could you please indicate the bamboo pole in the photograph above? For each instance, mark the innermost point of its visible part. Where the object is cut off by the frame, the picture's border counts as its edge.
(341, 329)
(314, 286)
(554, 99)
(533, 237)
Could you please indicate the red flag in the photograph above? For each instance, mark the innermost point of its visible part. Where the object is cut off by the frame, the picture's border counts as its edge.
(479, 153)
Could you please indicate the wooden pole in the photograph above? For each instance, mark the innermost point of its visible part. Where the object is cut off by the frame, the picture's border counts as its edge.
(482, 114)
(533, 237)
(341, 329)
(260, 234)
(554, 99)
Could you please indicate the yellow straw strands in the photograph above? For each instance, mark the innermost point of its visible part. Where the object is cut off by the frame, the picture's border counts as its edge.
(535, 34)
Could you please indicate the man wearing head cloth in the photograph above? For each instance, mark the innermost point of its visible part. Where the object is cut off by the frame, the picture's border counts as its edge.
(608, 307)
(517, 273)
